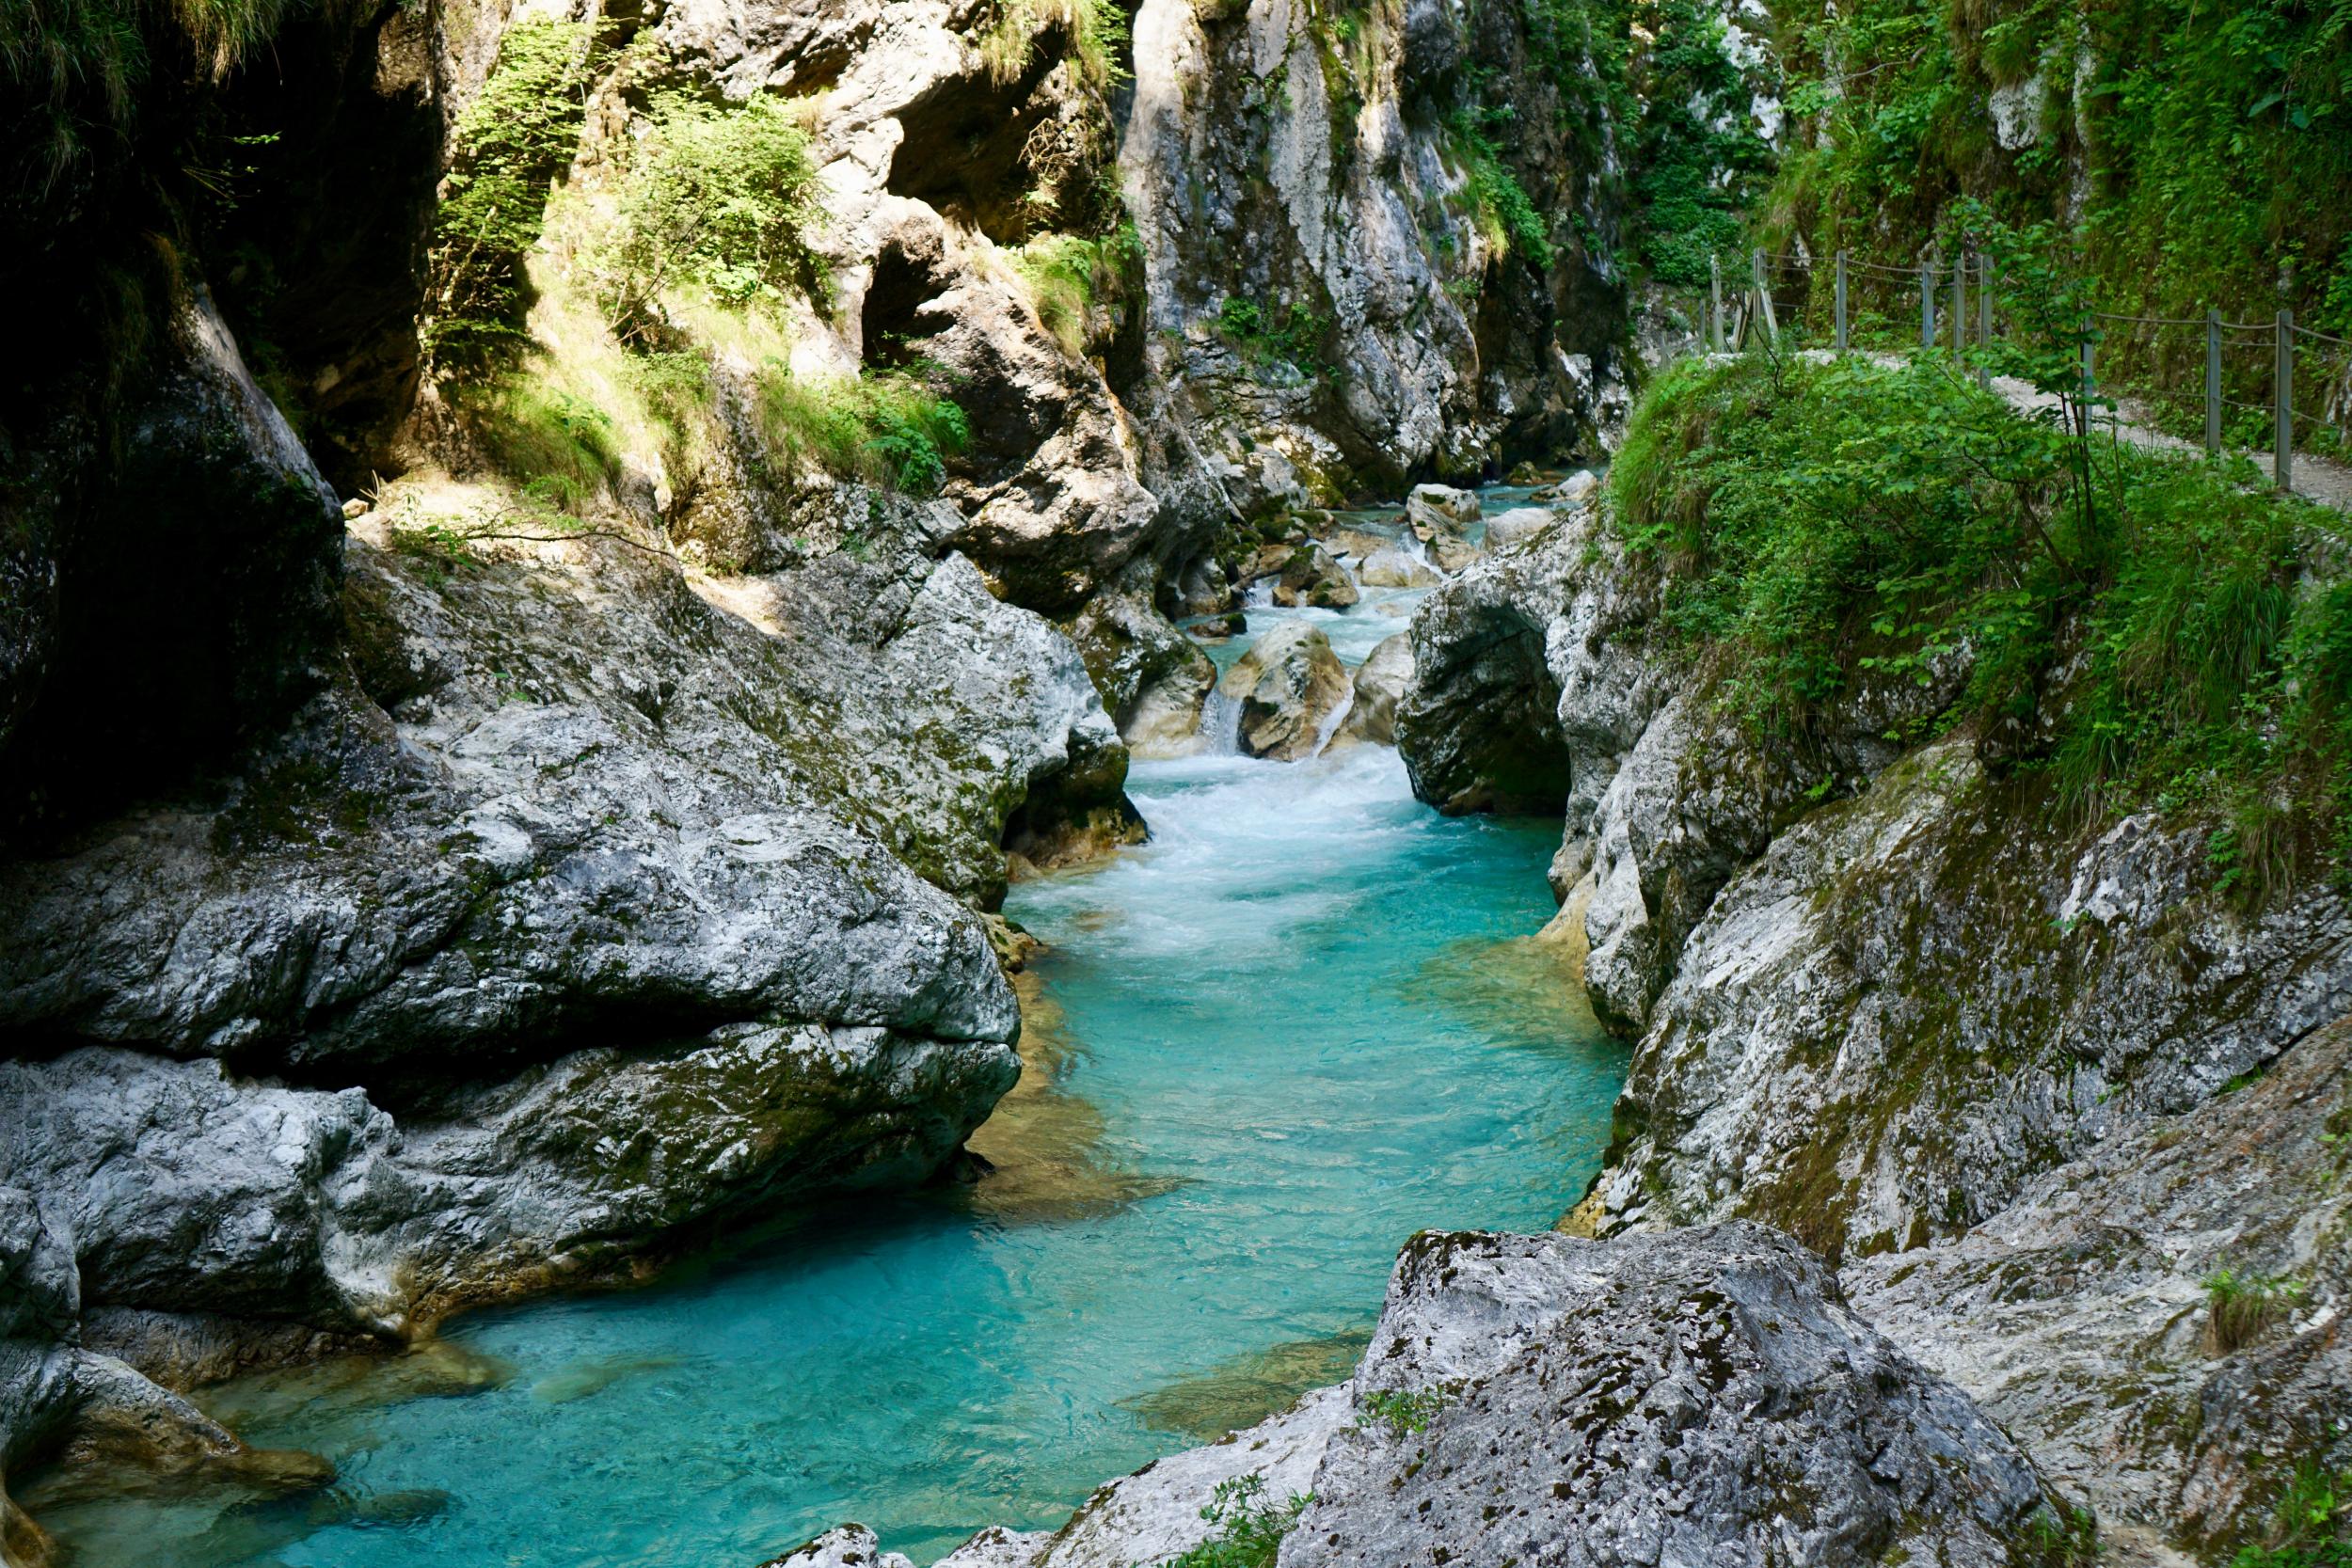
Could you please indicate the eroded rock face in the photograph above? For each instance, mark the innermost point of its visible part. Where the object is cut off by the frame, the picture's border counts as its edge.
(1312, 188)
(1693, 1397)
(2079, 1318)
(1688, 1397)
(1291, 685)
(587, 907)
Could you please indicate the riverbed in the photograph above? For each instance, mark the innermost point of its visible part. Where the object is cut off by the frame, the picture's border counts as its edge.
(1302, 1023)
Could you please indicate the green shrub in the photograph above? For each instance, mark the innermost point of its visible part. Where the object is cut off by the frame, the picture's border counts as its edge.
(2239, 1307)
(1816, 522)
(1287, 334)
(1506, 212)
(2309, 1529)
(1251, 1528)
(512, 142)
(885, 427)
(1067, 277)
(718, 197)
(1401, 1412)
(2062, 1537)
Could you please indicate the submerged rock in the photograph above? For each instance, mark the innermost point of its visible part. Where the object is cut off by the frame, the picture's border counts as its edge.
(1381, 682)
(1434, 510)
(1291, 685)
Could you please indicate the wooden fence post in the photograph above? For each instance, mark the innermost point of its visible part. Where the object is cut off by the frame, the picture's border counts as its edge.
(1984, 322)
(1764, 297)
(1715, 283)
(2213, 384)
(1841, 302)
(2285, 461)
(1959, 303)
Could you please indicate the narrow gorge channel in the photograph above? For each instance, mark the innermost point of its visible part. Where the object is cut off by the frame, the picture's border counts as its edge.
(1303, 1022)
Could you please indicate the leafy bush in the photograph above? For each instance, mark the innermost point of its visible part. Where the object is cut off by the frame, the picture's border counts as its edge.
(885, 427)
(1401, 1412)
(1506, 212)
(512, 142)
(1287, 334)
(1252, 1529)
(1819, 521)
(722, 197)
(1096, 31)
(2309, 1530)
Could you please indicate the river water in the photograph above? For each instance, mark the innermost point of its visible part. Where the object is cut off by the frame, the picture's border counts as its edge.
(1301, 1023)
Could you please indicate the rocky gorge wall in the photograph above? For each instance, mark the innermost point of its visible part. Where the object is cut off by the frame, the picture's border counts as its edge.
(2006, 1075)
(476, 813)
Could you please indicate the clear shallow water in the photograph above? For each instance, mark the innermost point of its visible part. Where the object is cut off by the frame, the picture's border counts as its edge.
(1300, 1025)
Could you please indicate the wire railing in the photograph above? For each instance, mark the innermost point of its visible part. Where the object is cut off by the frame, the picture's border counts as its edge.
(2276, 386)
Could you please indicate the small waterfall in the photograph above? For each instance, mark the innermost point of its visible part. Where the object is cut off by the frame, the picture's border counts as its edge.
(1220, 724)
(1333, 721)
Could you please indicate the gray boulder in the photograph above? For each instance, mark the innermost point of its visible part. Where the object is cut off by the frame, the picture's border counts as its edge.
(1381, 682)
(1518, 526)
(1389, 566)
(1435, 511)
(1311, 577)
(1289, 685)
(1699, 1396)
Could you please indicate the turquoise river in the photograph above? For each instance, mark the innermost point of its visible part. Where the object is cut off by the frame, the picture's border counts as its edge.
(1299, 1024)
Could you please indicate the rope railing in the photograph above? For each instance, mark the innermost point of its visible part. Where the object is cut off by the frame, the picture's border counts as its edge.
(1948, 316)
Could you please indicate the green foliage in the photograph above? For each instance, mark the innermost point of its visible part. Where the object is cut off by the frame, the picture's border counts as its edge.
(2214, 142)
(1251, 1528)
(1096, 32)
(2239, 1307)
(1820, 522)
(1400, 1411)
(1697, 160)
(512, 142)
(2310, 1525)
(716, 197)
(2063, 1538)
(70, 71)
(1069, 277)
(558, 448)
(885, 427)
(1288, 334)
(1507, 213)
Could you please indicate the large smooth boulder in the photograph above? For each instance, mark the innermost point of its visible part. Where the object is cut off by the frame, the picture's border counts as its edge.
(1390, 567)
(1435, 510)
(1311, 576)
(1701, 1396)
(1289, 683)
(1518, 526)
(1693, 1397)
(1380, 682)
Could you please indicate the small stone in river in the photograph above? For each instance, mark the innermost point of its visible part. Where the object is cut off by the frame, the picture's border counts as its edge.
(1380, 681)
(1288, 685)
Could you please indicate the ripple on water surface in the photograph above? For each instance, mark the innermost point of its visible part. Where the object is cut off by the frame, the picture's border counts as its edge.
(1298, 1025)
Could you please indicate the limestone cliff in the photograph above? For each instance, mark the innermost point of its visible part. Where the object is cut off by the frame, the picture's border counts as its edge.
(1886, 1001)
